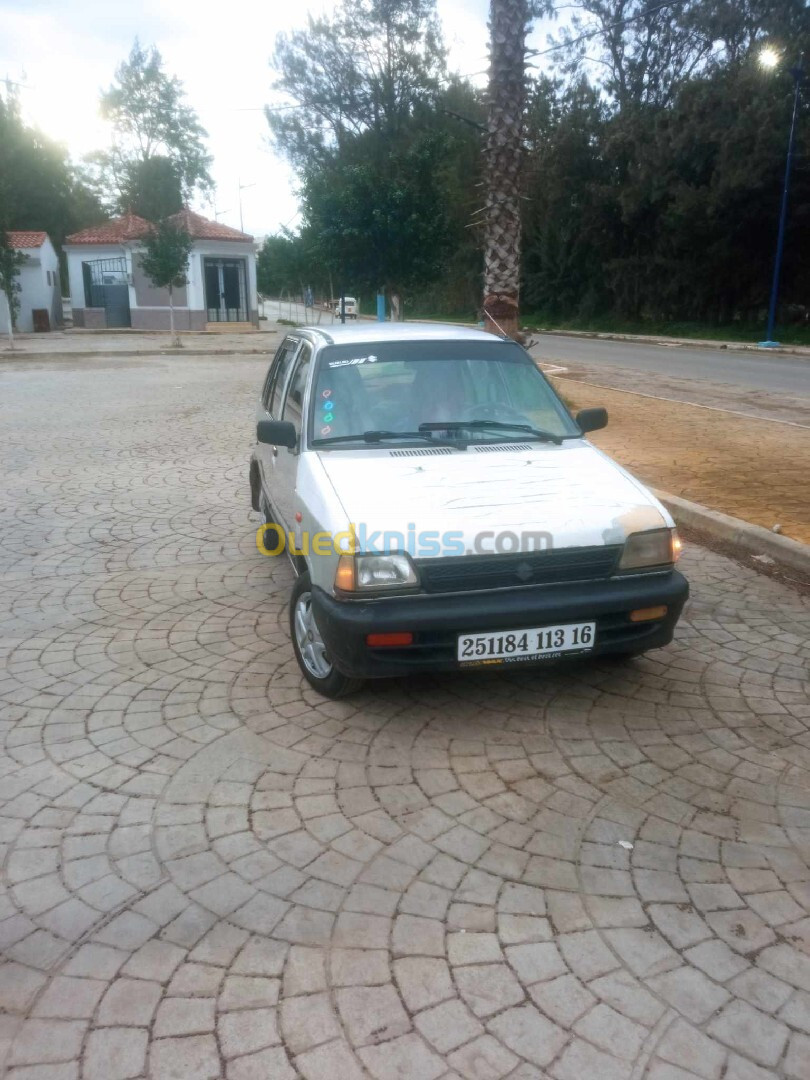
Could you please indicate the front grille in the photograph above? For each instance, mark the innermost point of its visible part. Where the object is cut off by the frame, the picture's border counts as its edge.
(468, 573)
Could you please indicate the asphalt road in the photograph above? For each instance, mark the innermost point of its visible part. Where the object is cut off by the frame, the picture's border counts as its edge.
(763, 384)
(777, 372)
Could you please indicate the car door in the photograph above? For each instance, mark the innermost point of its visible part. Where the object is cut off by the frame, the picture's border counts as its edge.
(286, 462)
(270, 409)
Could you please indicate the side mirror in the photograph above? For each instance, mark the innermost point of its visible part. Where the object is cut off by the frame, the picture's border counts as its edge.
(277, 433)
(591, 419)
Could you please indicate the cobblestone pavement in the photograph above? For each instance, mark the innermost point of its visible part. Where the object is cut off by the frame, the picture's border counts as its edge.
(597, 873)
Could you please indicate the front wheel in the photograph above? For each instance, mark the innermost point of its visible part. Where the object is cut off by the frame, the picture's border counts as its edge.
(310, 651)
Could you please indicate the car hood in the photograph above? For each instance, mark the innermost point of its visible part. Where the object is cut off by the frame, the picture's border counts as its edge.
(573, 493)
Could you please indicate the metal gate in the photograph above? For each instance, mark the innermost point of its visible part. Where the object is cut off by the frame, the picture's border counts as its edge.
(106, 285)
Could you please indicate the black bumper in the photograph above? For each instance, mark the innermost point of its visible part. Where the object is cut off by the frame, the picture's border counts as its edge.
(437, 620)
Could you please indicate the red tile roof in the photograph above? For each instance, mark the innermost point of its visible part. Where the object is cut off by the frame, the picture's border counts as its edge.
(24, 238)
(116, 231)
(132, 227)
(200, 228)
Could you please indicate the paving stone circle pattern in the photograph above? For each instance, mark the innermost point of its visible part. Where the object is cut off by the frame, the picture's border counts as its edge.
(600, 872)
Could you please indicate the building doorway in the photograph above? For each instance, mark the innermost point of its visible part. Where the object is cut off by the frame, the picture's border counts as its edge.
(226, 290)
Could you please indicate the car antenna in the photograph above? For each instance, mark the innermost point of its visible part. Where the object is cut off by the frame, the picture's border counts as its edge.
(493, 320)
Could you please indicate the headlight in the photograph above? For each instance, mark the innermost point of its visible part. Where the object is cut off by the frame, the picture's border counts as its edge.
(375, 573)
(659, 547)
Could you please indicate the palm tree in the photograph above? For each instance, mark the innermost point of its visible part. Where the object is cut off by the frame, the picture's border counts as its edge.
(508, 23)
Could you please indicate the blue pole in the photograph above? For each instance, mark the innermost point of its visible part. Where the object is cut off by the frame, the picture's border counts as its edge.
(769, 342)
(380, 307)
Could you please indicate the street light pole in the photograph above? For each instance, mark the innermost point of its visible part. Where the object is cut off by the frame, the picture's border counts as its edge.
(798, 74)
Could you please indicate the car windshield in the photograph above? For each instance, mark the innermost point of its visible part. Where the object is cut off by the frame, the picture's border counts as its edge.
(398, 386)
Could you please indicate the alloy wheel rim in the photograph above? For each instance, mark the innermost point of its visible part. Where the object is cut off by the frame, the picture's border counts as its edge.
(310, 643)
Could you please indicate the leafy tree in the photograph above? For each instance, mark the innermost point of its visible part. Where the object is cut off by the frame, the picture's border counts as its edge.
(10, 263)
(653, 190)
(362, 88)
(368, 67)
(39, 187)
(378, 215)
(152, 188)
(150, 122)
(165, 261)
(281, 265)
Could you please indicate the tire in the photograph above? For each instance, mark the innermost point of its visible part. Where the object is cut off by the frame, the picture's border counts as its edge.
(313, 660)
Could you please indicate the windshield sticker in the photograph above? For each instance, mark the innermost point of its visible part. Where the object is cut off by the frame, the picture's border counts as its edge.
(372, 359)
(327, 430)
(326, 394)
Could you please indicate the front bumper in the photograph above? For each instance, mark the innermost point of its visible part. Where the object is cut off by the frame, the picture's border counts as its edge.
(437, 620)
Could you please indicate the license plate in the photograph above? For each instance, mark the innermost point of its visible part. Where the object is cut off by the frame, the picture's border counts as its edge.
(507, 646)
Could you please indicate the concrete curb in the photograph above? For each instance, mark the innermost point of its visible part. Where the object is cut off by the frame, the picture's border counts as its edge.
(662, 339)
(126, 354)
(751, 538)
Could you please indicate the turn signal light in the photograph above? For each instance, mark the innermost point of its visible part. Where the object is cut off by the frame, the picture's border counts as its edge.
(344, 575)
(646, 614)
(377, 641)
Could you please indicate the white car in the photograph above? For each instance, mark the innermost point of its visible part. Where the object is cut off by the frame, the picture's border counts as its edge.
(350, 307)
(443, 510)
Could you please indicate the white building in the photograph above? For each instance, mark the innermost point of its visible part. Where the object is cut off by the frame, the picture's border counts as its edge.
(38, 280)
(109, 289)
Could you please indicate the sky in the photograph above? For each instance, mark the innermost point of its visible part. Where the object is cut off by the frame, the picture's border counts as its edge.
(65, 52)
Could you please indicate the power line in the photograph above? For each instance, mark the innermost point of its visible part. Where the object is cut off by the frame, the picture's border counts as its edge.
(605, 29)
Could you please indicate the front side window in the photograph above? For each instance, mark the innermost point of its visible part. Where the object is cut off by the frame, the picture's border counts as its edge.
(398, 386)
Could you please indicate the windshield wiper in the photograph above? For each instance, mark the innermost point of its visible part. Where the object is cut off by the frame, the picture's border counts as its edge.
(484, 425)
(382, 436)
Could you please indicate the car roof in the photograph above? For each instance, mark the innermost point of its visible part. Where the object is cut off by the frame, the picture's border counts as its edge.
(377, 331)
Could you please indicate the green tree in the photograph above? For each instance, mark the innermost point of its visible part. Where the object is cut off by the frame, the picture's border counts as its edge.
(379, 217)
(39, 187)
(150, 122)
(653, 186)
(368, 67)
(282, 264)
(361, 90)
(152, 188)
(165, 261)
(10, 263)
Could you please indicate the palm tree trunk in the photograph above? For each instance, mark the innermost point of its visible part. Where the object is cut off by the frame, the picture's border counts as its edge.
(509, 23)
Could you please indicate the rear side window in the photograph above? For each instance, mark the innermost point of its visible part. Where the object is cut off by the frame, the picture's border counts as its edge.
(294, 402)
(277, 375)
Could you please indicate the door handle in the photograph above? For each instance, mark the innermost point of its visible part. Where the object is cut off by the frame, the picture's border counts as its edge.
(275, 451)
